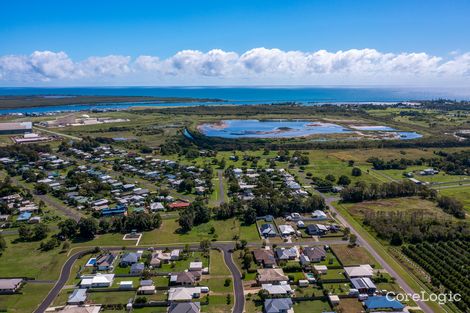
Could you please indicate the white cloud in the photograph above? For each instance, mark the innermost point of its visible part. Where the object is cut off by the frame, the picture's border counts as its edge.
(259, 65)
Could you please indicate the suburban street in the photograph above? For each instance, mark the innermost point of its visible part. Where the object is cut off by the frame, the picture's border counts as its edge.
(383, 263)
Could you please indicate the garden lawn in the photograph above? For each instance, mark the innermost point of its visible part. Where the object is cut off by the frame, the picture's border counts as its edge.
(112, 297)
(312, 306)
(183, 264)
(217, 304)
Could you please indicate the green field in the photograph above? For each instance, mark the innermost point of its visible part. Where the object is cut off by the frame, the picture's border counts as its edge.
(32, 295)
(461, 193)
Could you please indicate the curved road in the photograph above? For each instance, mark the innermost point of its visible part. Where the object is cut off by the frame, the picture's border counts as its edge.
(64, 276)
(237, 279)
(226, 249)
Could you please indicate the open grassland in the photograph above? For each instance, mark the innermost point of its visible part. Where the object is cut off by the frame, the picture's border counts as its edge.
(350, 306)
(311, 306)
(461, 193)
(408, 204)
(349, 256)
(225, 231)
(31, 296)
(217, 264)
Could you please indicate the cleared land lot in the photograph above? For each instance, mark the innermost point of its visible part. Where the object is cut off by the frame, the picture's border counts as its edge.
(460, 193)
(353, 256)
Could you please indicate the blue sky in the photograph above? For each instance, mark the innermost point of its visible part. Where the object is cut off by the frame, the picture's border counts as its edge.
(84, 29)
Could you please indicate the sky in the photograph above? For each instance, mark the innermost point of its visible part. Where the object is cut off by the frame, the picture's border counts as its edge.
(388, 42)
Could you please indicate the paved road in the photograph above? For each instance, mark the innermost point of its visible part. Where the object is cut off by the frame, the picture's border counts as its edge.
(360, 240)
(57, 134)
(69, 212)
(221, 187)
(237, 279)
(64, 276)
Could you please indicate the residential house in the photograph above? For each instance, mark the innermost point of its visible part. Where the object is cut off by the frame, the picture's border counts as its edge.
(137, 268)
(278, 305)
(286, 253)
(129, 259)
(383, 303)
(183, 278)
(286, 230)
(364, 285)
(105, 262)
(277, 290)
(364, 270)
(10, 285)
(267, 230)
(264, 257)
(185, 293)
(314, 254)
(96, 281)
(78, 296)
(316, 229)
(185, 307)
(271, 276)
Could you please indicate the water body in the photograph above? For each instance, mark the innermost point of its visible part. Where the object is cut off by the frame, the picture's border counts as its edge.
(232, 95)
(234, 129)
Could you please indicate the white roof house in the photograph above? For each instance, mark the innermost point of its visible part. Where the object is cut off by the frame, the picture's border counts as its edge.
(184, 293)
(195, 266)
(277, 289)
(286, 230)
(364, 270)
(98, 280)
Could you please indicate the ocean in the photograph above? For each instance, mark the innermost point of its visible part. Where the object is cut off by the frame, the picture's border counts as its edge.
(232, 95)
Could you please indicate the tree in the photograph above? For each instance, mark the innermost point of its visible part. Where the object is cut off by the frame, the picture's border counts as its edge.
(352, 239)
(186, 219)
(40, 231)
(356, 171)
(351, 163)
(247, 260)
(68, 228)
(344, 180)
(25, 233)
(205, 245)
(49, 245)
(87, 228)
(330, 177)
(3, 244)
(249, 216)
(396, 239)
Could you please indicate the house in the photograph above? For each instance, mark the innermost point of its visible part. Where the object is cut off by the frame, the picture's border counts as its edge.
(179, 205)
(175, 255)
(278, 305)
(146, 290)
(364, 270)
(364, 285)
(146, 282)
(156, 206)
(316, 229)
(195, 266)
(96, 281)
(183, 278)
(264, 257)
(286, 253)
(276, 290)
(126, 284)
(10, 285)
(319, 215)
(334, 300)
(137, 268)
(271, 276)
(267, 230)
(78, 296)
(79, 309)
(320, 269)
(185, 293)
(186, 307)
(314, 254)
(105, 262)
(129, 259)
(383, 303)
(286, 230)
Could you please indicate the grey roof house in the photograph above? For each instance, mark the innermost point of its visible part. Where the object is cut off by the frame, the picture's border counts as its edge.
(279, 305)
